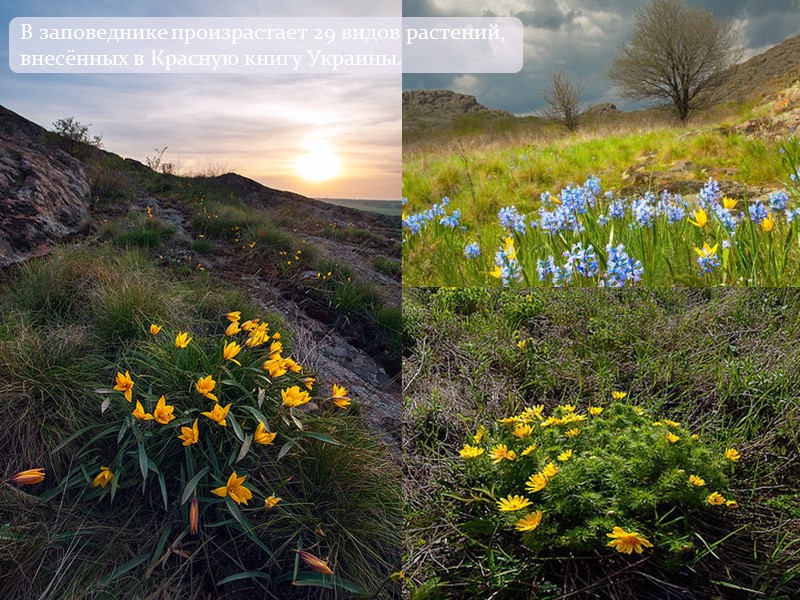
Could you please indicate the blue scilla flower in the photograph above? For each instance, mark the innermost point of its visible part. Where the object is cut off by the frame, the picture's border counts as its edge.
(620, 268)
(545, 267)
(582, 260)
(452, 220)
(709, 194)
(602, 220)
(472, 250)
(511, 219)
(778, 200)
(616, 210)
(758, 212)
(707, 259)
(643, 211)
(792, 214)
(404, 201)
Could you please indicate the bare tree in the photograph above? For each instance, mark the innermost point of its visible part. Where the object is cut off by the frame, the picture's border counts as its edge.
(563, 100)
(674, 53)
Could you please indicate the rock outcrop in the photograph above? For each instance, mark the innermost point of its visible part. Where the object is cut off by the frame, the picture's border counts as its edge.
(442, 104)
(44, 192)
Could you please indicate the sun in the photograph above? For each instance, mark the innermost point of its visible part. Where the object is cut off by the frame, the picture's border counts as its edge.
(320, 163)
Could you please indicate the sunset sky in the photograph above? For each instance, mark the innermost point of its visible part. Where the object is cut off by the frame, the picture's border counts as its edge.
(281, 130)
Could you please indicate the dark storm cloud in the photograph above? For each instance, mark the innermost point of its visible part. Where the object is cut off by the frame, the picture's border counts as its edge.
(580, 37)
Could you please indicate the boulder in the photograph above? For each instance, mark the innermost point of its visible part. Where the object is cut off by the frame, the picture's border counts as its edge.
(44, 192)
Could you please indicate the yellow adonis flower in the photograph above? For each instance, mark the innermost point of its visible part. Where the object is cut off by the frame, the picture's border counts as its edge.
(618, 395)
(715, 499)
(140, 414)
(731, 504)
(522, 343)
(696, 481)
(595, 410)
(536, 482)
(530, 522)
(275, 366)
(233, 329)
(163, 412)
(565, 456)
(309, 383)
(271, 502)
(230, 351)
(574, 432)
(190, 435)
(218, 414)
(234, 316)
(294, 396)
(672, 438)
(550, 470)
(250, 325)
(339, 396)
(28, 477)
(182, 340)
(205, 385)
(729, 203)
(468, 452)
(568, 408)
(234, 489)
(522, 430)
(479, 433)
(154, 329)
(500, 452)
(627, 542)
(528, 450)
(732, 455)
(262, 436)
(103, 478)
(768, 224)
(125, 384)
(701, 218)
(290, 364)
(512, 503)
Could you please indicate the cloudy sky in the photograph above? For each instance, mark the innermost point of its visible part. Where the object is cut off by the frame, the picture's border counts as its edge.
(580, 36)
(259, 126)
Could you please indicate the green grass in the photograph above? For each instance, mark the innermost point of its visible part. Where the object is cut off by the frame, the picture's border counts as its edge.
(387, 266)
(717, 361)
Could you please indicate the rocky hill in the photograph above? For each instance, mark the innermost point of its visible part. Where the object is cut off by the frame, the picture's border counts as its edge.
(441, 104)
(271, 244)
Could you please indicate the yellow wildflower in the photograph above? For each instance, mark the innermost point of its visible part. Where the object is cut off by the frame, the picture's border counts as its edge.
(163, 412)
(732, 455)
(339, 396)
(536, 482)
(125, 385)
(470, 451)
(479, 433)
(565, 456)
(568, 408)
(550, 470)
(29, 477)
(508, 248)
(315, 563)
(530, 522)
(249, 325)
(672, 438)
(715, 499)
(218, 414)
(707, 251)
(521, 430)
(500, 452)
(512, 503)
(190, 435)
(271, 502)
(140, 414)
(233, 329)
(595, 410)
(154, 329)
(768, 224)
(182, 340)
(696, 481)
(309, 383)
(522, 343)
(103, 478)
(262, 436)
(293, 396)
(290, 364)
(574, 432)
(275, 367)
(204, 387)
(701, 218)
(729, 203)
(618, 395)
(234, 316)
(627, 542)
(234, 489)
(230, 351)
(670, 423)
(528, 450)
(731, 504)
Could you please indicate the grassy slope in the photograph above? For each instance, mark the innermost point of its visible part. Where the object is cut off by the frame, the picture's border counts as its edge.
(721, 361)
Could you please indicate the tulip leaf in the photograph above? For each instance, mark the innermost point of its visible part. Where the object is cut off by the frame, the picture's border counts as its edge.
(79, 433)
(104, 406)
(122, 429)
(297, 421)
(163, 485)
(192, 484)
(258, 415)
(248, 440)
(330, 582)
(142, 461)
(245, 575)
(237, 429)
(121, 570)
(285, 449)
(322, 438)
(162, 541)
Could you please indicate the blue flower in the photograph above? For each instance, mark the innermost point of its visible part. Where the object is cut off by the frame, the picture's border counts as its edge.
(758, 212)
(472, 250)
(620, 268)
(511, 219)
(709, 194)
(582, 261)
(616, 210)
(452, 220)
(643, 210)
(778, 200)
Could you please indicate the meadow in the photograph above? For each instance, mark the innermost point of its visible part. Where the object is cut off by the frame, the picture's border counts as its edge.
(617, 204)
(633, 443)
